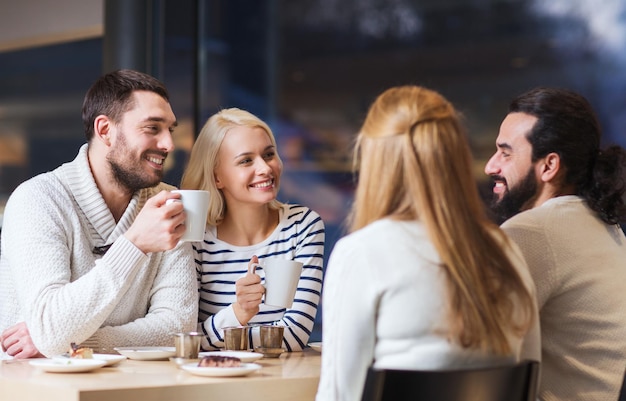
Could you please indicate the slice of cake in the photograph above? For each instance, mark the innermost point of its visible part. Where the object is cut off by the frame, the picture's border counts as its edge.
(80, 352)
(219, 361)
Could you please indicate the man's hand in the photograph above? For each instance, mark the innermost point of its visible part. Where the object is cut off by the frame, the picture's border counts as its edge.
(16, 342)
(159, 225)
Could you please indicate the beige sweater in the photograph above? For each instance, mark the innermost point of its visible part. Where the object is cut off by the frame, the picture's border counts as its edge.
(51, 279)
(579, 267)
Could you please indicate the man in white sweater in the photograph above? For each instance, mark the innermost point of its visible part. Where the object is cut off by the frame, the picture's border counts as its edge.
(562, 199)
(90, 251)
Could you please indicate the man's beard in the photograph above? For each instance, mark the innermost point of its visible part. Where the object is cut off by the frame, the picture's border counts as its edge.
(515, 199)
(127, 172)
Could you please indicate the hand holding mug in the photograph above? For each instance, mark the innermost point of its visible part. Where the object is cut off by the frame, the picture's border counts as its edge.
(249, 291)
(158, 226)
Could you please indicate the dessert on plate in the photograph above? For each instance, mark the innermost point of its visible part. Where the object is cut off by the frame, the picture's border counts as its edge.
(219, 361)
(79, 352)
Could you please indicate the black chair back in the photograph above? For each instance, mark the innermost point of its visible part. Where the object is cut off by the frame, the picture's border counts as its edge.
(503, 383)
(622, 393)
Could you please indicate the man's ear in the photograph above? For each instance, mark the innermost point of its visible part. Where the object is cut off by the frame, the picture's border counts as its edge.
(550, 167)
(102, 128)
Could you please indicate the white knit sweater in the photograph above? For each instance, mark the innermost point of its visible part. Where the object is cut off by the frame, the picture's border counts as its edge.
(51, 279)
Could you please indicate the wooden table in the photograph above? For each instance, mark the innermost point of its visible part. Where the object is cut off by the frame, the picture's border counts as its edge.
(293, 376)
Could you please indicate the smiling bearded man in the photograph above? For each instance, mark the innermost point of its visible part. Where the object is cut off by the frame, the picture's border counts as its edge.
(563, 197)
(90, 251)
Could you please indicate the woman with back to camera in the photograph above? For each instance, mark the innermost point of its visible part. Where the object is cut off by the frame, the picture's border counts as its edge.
(235, 158)
(424, 280)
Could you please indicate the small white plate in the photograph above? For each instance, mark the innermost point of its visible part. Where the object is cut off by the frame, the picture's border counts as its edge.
(243, 370)
(316, 346)
(109, 359)
(244, 356)
(147, 353)
(67, 365)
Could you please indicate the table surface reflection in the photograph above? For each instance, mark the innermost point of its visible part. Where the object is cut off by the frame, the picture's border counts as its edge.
(293, 376)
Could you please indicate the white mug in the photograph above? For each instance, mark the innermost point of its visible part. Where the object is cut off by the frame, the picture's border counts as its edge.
(281, 281)
(196, 204)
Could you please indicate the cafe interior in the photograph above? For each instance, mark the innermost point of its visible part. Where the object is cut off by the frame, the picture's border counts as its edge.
(310, 68)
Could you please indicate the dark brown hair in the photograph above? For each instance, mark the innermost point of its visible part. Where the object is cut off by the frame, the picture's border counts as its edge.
(111, 96)
(568, 126)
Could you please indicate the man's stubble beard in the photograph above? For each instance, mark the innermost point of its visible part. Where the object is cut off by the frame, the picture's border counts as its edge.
(126, 171)
(515, 199)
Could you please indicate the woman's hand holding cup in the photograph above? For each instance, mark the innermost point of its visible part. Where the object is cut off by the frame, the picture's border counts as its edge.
(249, 291)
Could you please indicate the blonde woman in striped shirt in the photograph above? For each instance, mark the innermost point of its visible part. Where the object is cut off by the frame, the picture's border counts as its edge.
(235, 158)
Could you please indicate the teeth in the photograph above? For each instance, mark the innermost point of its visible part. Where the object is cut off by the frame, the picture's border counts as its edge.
(499, 185)
(155, 160)
(263, 184)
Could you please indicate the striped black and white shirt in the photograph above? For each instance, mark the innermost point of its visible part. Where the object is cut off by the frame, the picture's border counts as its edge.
(298, 236)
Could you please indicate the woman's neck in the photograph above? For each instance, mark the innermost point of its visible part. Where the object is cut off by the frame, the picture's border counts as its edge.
(248, 226)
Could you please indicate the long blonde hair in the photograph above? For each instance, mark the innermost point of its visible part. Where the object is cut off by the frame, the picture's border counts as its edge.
(414, 163)
(200, 171)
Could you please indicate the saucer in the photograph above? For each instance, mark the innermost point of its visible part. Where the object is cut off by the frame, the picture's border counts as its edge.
(183, 361)
(270, 352)
(67, 365)
(317, 346)
(147, 353)
(243, 370)
(109, 359)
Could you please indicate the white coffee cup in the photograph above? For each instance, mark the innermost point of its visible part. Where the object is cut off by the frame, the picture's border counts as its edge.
(196, 204)
(281, 281)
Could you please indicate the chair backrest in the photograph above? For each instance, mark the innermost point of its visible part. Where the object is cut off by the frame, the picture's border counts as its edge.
(502, 383)
(622, 393)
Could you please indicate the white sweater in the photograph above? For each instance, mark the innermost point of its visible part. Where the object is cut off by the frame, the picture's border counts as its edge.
(385, 303)
(579, 266)
(51, 279)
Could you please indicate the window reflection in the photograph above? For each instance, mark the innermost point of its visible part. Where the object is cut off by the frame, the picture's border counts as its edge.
(311, 68)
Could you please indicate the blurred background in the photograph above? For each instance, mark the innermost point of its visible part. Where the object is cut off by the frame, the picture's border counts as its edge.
(310, 68)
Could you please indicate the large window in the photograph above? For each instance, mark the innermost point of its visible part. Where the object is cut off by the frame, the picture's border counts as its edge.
(41, 95)
(310, 68)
